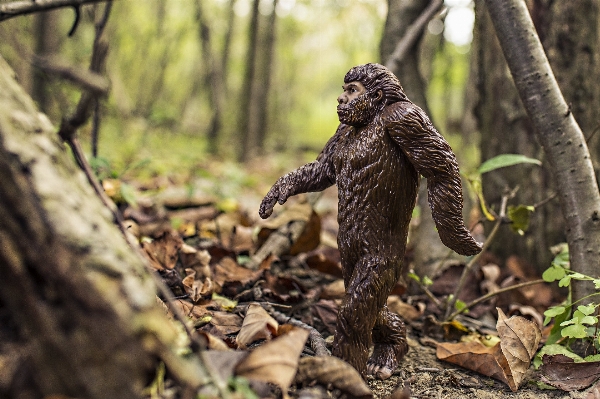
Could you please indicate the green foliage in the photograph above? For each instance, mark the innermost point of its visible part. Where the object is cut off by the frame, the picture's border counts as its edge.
(570, 323)
(519, 216)
(504, 160)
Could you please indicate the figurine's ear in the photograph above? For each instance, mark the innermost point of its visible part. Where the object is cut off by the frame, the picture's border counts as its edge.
(379, 95)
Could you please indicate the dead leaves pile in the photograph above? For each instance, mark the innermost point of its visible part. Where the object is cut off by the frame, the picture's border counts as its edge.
(508, 360)
(206, 258)
(204, 261)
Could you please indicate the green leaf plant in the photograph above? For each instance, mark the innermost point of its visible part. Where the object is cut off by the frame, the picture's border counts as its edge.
(572, 320)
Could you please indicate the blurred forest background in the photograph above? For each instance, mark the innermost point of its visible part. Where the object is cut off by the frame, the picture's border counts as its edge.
(251, 86)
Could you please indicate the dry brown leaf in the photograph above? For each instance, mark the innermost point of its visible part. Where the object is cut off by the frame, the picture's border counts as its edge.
(194, 259)
(334, 290)
(258, 324)
(519, 339)
(214, 343)
(226, 323)
(562, 372)
(477, 357)
(276, 361)
(163, 251)
(334, 371)
(327, 311)
(408, 312)
(228, 271)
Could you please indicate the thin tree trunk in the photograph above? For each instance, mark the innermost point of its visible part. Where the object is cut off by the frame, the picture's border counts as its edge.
(69, 279)
(262, 95)
(427, 246)
(213, 79)
(557, 131)
(45, 45)
(246, 134)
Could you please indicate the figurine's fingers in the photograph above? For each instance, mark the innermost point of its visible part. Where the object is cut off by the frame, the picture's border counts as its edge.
(266, 207)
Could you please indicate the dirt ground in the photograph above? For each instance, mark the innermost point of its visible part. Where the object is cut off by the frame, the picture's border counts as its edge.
(431, 378)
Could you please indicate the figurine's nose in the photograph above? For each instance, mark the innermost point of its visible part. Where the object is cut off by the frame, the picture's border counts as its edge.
(342, 99)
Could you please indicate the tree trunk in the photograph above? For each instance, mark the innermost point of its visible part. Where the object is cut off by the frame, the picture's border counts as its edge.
(69, 280)
(46, 44)
(213, 79)
(261, 102)
(558, 132)
(427, 246)
(247, 134)
(570, 35)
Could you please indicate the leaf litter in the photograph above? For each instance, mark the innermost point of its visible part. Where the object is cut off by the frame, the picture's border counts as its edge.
(204, 255)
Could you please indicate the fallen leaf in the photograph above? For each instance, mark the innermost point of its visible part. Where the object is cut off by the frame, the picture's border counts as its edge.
(258, 324)
(562, 372)
(276, 361)
(334, 290)
(326, 260)
(226, 323)
(163, 250)
(234, 278)
(223, 363)
(519, 339)
(327, 311)
(477, 357)
(214, 342)
(406, 311)
(191, 258)
(332, 370)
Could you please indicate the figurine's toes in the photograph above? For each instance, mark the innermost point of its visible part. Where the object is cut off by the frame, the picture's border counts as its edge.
(383, 361)
(379, 372)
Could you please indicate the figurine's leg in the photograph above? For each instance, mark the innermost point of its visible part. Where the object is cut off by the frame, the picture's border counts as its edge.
(389, 337)
(366, 292)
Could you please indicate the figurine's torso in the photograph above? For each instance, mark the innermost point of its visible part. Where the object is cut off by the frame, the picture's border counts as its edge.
(377, 188)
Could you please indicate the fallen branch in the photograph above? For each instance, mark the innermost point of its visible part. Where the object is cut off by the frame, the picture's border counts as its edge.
(315, 339)
(413, 33)
(16, 8)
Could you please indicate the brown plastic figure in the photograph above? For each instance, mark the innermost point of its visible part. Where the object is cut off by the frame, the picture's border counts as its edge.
(382, 144)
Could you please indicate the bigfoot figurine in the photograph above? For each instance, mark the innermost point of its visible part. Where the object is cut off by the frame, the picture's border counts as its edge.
(382, 144)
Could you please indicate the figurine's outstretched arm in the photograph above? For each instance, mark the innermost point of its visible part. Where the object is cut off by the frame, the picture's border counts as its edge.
(433, 158)
(314, 176)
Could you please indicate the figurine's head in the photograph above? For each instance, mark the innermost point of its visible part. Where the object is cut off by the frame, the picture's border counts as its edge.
(367, 89)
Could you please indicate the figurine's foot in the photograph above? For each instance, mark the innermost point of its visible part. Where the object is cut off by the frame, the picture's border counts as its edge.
(384, 360)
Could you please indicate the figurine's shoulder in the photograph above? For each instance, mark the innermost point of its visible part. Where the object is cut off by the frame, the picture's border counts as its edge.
(400, 110)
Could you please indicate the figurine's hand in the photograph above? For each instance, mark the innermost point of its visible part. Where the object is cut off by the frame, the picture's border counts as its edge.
(278, 193)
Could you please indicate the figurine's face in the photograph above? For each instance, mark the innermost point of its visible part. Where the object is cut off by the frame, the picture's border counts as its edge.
(356, 107)
(352, 91)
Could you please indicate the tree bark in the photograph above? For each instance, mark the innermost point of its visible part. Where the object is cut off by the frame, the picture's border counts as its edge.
(555, 126)
(214, 79)
(427, 246)
(261, 103)
(69, 279)
(570, 35)
(247, 134)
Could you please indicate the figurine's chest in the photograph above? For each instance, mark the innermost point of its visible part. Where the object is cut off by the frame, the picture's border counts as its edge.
(362, 148)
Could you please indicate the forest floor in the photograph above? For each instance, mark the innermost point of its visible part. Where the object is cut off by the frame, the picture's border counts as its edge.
(206, 247)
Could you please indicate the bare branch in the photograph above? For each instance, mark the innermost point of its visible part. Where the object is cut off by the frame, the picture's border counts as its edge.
(413, 33)
(16, 8)
(84, 78)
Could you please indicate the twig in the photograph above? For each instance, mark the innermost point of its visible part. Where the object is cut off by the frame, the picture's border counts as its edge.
(493, 294)
(413, 33)
(314, 337)
(463, 278)
(16, 8)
